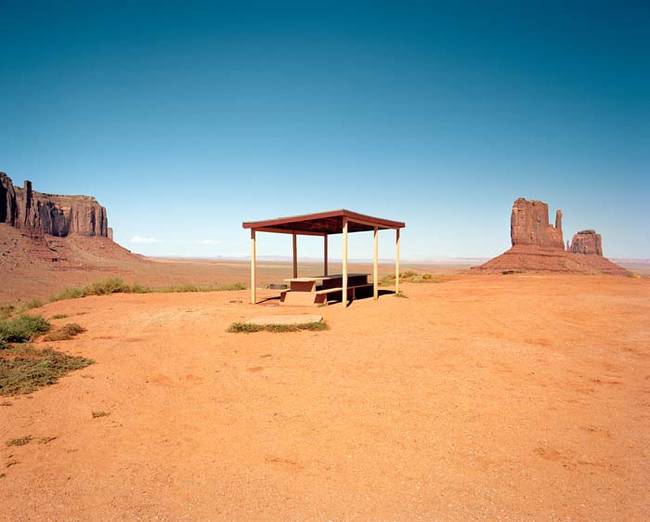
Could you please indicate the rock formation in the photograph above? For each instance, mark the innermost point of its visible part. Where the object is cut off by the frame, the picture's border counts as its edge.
(587, 242)
(52, 214)
(539, 246)
(529, 225)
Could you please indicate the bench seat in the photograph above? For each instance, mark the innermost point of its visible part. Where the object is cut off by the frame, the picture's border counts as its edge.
(332, 290)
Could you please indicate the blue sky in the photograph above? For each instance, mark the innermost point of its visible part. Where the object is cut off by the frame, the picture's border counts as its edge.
(186, 118)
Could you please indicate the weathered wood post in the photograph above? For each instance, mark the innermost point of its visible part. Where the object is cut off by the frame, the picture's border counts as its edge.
(397, 240)
(375, 264)
(253, 268)
(295, 255)
(345, 262)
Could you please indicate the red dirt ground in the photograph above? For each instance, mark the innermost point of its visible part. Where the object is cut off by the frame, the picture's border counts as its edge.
(484, 397)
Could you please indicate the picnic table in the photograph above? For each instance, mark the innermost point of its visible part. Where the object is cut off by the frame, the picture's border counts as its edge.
(322, 289)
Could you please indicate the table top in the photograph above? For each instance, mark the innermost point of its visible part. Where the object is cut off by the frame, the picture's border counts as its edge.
(321, 278)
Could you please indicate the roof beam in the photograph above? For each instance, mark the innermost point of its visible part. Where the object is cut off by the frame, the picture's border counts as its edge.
(287, 231)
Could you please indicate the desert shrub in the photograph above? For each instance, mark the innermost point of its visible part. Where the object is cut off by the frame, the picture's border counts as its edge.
(233, 286)
(28, 305)
(97, 414)
(180, 289)
(137, 288)
(23, 328)
(67, 331)
(200, 288)
(412, 277)
(59, 316)
(239, 327)
(112, 285)
(115, 285)
(314, 326)
(6, 311)
(24, 369)
(68, 293)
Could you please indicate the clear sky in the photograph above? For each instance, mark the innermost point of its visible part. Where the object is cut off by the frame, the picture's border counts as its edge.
(186, 118)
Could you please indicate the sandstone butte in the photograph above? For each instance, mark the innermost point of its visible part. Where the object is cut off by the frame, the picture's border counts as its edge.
(38, 214)
(538, 245)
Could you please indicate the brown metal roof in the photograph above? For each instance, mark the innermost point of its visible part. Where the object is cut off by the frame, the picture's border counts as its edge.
(322, 223)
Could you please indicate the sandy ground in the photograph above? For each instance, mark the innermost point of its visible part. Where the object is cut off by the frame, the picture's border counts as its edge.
(485, 397)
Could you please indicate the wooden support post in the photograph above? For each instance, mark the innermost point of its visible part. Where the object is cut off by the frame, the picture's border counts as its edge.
(344, 286)
(397, 260)
(295, 255)
(325, 261)
(253, 268)
(375, 264)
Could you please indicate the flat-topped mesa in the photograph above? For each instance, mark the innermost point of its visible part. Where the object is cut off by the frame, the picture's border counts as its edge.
(529, 225)
(587, 242)
(53, 214)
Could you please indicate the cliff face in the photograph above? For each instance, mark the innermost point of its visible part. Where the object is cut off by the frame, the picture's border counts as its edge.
(51, 214)
(529, 225)
(587, 242)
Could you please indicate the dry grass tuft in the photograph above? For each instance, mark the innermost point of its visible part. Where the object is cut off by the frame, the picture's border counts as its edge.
(97, 414)
(276, 328)
(22, 441)
(66, 332)
(412, 277)
(24, 369)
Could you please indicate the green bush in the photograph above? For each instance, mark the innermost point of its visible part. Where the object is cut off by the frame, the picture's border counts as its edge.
(23, 328)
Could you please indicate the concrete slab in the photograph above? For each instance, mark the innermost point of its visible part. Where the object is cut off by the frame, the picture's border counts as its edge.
(285, 319)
